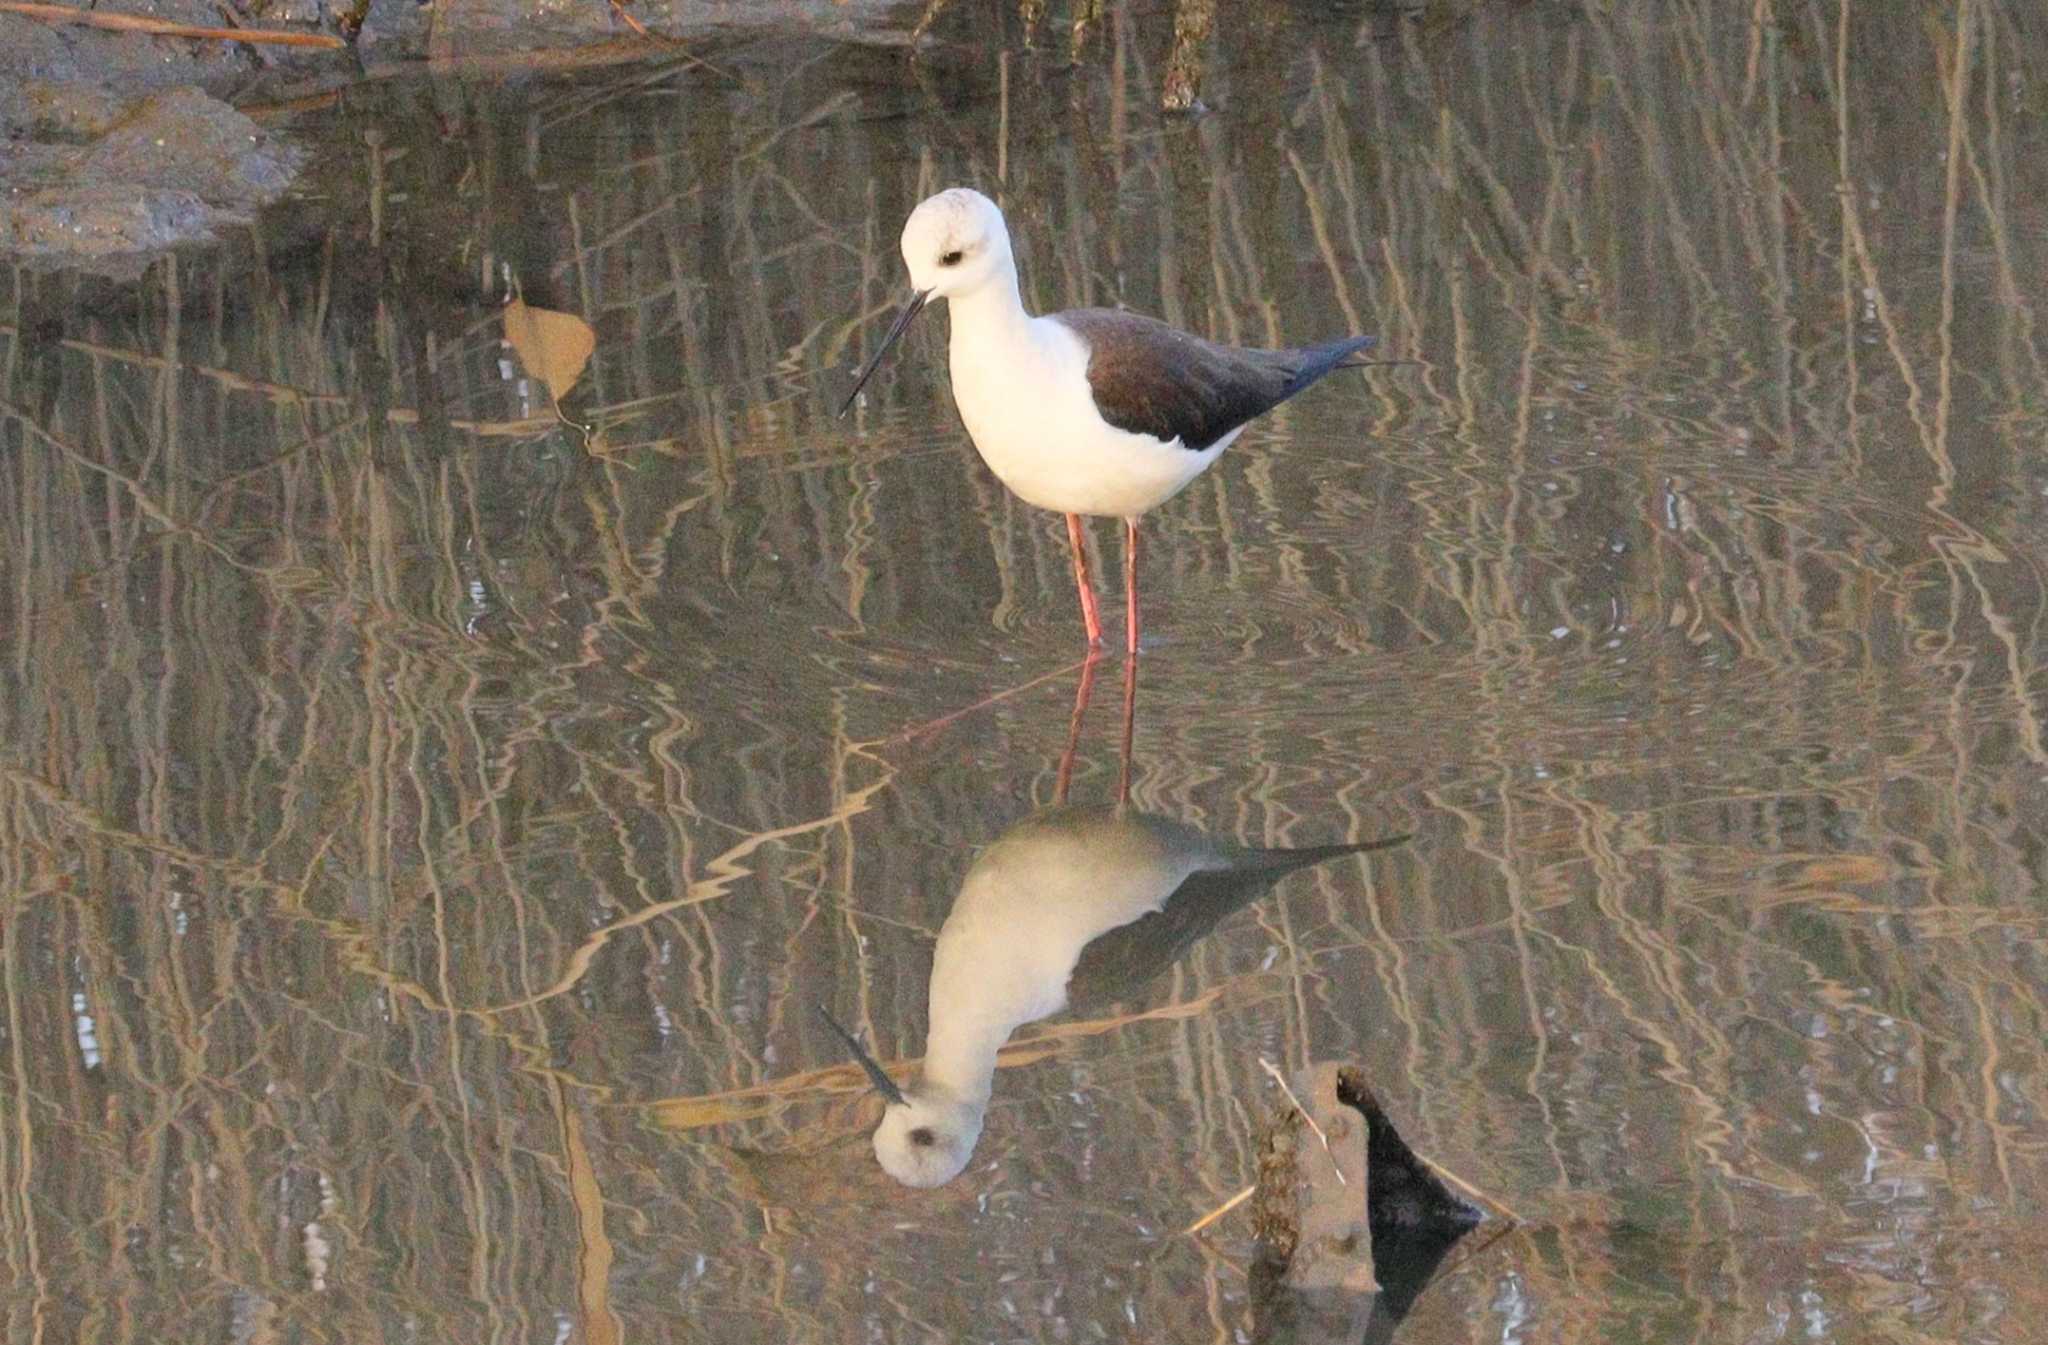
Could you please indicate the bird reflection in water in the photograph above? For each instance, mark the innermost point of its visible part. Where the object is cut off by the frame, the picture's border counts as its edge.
(1072, 905)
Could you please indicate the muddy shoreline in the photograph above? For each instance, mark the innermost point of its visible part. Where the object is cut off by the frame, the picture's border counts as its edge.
(116, 145)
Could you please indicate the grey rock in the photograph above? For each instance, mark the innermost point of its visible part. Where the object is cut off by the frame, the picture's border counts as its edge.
(100, 181)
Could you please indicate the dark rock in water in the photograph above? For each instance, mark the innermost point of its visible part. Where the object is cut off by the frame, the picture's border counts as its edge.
(187, 141)
(58, 111)
(127, 64)
(1402, 1190)
(1342, 1259)
(100, 218)
(113, 186)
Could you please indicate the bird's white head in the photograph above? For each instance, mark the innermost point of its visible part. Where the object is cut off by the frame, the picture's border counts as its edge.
(927, 1139)
(955, 243)
(926, 1135)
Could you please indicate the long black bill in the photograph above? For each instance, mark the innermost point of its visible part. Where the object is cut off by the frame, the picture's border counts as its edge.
(896, 330)
(884, 1085)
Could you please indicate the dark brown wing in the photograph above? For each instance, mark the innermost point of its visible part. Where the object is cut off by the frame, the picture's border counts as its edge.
(1116, 963)
(1149, 378)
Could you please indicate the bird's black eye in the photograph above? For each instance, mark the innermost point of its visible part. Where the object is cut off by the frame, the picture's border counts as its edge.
(923, 1137)
(951, 258)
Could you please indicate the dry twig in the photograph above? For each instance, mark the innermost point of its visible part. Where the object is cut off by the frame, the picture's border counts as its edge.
(136, 23)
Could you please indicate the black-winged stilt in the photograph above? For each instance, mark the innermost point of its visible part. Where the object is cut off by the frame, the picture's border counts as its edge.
(1072, 905)
(1090, 411)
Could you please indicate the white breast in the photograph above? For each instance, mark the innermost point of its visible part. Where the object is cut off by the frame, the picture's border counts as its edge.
(1026, 404)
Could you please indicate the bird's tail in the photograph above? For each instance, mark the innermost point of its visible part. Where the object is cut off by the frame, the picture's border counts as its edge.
(1261, 860)
(1313, 362)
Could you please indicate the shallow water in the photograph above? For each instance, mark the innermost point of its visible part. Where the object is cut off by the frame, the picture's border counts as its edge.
(425, 835)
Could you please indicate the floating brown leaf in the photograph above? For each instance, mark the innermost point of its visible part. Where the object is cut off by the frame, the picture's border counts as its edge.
(553, 346)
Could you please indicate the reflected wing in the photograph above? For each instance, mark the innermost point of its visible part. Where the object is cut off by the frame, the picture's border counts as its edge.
(1121, 961)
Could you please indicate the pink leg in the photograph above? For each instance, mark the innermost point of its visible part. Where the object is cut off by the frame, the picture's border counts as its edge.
(1131, 586)
(1123, 774)
(1066, 772)
(1089, 613)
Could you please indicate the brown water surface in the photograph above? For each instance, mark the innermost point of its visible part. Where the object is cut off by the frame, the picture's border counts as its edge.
(423, 835)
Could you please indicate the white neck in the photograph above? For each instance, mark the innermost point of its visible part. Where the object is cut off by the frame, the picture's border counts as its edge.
(991, 311)
(960, 1054)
